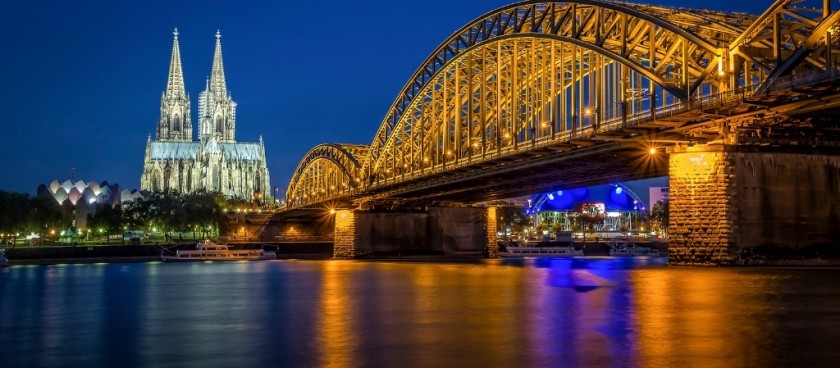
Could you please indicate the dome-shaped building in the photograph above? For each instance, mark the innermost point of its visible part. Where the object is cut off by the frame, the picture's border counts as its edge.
(621, 206)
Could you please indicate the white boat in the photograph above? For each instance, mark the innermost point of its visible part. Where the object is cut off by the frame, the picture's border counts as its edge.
(4, 262)
(625, 249)
(540, 251)
(209, 251)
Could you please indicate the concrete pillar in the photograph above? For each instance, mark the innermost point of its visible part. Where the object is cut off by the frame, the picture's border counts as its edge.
(492, 240)
(701, 228)
(345, 235)
(432, 231)
(739, 205)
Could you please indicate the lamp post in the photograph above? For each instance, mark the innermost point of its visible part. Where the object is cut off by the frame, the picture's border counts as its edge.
(592, 115)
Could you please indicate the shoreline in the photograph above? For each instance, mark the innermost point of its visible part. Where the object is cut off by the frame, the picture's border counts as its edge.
(791, 264)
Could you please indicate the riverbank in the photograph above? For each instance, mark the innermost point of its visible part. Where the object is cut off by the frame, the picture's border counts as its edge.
(113, 253)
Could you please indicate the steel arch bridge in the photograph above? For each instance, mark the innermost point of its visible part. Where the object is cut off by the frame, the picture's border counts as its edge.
(567, 75)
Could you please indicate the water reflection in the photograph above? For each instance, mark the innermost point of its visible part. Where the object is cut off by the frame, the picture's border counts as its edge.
(546, 312)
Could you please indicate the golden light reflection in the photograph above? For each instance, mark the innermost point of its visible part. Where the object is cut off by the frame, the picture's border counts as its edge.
(704, 310)
(335, 336)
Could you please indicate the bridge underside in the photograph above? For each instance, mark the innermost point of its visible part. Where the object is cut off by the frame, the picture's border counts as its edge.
(538, 170)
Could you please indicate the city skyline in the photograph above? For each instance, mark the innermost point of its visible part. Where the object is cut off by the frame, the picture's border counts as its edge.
(84, 80)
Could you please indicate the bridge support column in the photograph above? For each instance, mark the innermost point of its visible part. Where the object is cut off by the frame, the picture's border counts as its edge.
(740, 205)
(701, 229)
(344, 246)
(415, 231)
(492, 240)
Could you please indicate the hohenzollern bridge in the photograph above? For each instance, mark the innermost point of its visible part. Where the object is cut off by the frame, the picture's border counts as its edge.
(736, 109)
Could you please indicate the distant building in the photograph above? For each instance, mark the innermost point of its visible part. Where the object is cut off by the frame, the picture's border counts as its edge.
(78, 199)
(658, 194)
(620, 205)
(90, 193)
(213, 163)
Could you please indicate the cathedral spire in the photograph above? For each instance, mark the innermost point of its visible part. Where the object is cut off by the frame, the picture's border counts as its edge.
(175, 84)
(217, 75)
(175, 123)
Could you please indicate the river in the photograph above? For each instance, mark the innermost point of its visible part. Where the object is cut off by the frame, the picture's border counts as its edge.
(482, 313)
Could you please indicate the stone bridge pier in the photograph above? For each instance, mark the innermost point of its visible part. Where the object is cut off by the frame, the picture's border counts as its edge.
(730, 202)
(467, 231)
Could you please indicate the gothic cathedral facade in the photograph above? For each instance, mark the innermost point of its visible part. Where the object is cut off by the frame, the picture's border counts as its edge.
(214, 162)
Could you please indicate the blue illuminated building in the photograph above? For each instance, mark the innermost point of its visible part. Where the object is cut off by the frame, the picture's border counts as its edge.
(623, 208)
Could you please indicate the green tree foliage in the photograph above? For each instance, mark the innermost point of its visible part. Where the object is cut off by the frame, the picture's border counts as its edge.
(512, 217)
(20, 213)
(107, 219)
(174, 212)
(659, 216)
(587, 216)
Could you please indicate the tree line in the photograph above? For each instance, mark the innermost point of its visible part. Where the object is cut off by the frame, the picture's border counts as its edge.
(201, 213)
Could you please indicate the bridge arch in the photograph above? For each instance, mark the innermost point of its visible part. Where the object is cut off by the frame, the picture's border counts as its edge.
(536, 68)
(326, 171)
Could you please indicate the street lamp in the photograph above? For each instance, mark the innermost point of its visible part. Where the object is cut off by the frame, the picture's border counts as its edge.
(592, 114)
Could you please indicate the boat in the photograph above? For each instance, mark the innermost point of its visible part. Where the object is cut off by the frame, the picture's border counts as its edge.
(627, 249)
(540, 251)
(209, 251)
(4, 262)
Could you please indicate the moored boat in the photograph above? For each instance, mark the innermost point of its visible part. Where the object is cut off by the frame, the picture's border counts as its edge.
(627, 249)
(540, 251)
(209, 251)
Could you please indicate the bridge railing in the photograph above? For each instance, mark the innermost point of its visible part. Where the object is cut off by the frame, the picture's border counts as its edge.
(583, 133)
(799, 79)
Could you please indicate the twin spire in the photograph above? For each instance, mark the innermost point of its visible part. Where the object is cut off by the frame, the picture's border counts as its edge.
(216, 109)
(217, 75)
(175, 84)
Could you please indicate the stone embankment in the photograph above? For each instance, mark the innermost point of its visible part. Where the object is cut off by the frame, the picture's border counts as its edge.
(148, 252)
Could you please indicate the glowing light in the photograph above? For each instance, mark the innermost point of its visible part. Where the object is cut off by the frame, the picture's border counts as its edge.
(550, 197)
(652, 151)
(587, 111)
(618, 190)
(560, 193)
(332, 211)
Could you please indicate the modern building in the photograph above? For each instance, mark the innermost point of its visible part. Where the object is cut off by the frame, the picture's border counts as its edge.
(658, 194)
(620, 205)
(74, 193)
(80, 198)
(215, 161)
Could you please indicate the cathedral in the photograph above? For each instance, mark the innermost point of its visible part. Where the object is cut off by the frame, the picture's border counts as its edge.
(214, 162)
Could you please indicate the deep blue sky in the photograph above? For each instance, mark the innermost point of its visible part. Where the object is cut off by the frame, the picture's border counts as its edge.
(82, 80)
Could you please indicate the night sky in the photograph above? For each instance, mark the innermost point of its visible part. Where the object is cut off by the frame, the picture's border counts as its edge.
(82, 80)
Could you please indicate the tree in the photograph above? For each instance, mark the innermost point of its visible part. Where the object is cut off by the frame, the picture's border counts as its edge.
(659, 216)
(588, 215)
(175, 212)
(106, 219)
(556, 227)
(541, 227)
(511, 216)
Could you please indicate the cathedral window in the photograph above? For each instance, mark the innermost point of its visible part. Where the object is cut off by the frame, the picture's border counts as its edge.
(176, 125)
(167, 175)
(216, 179)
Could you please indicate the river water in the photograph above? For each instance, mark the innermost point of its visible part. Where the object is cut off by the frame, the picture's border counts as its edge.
(486, 313)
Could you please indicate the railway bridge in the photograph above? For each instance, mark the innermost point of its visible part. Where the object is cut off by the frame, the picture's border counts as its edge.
(738, 110)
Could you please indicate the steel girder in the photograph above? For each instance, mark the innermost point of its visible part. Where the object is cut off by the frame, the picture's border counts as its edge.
(326, 171)
(674, 49)
(548, 73)
(785, 37)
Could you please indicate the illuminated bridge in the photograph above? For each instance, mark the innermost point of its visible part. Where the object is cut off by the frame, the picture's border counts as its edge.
(546, 95)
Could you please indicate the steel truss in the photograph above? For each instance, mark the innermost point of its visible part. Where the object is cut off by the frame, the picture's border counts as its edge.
(538, 73)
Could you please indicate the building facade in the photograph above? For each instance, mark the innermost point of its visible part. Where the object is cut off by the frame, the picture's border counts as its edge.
(215, 161)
